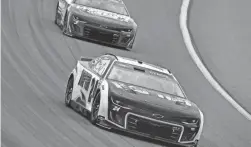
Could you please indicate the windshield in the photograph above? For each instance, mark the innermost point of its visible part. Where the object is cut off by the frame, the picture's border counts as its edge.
(107, 5)
(145, 78)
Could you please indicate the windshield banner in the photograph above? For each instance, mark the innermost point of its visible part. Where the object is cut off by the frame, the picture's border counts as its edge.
(103, 13)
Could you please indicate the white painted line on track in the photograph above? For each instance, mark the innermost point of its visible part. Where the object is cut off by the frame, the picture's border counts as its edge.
(198, 62)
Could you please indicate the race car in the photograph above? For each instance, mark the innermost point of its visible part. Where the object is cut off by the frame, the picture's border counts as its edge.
(126, 94)
(105, 21)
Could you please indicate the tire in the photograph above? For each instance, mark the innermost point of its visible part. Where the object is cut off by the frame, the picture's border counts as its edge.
(95, 109)
(68, 92)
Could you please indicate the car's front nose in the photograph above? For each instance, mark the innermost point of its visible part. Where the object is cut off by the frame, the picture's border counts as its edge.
(138, 120)
(94, 29)
(140, 117)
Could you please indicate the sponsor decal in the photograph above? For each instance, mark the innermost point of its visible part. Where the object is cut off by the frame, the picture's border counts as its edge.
(133, 88)
(103, 13)
(139, 90)
(182, 101)
(85, 79)
(168, 97)
(158, 74)
(160, 96)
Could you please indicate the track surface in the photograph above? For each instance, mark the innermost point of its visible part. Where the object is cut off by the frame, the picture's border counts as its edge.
(36, 61)
(222, 33)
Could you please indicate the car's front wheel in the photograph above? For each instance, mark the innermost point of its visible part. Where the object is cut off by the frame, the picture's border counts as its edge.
(95, 109)
(68, 92)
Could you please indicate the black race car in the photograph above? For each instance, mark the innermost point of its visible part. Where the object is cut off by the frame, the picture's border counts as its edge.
(106, 21)
(134, 96)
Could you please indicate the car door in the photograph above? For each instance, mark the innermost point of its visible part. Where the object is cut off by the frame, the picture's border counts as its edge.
(86, 81)
(90, 80)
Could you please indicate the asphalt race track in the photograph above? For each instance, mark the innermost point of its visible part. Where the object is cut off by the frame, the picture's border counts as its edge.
(37, 58)
(222, 32)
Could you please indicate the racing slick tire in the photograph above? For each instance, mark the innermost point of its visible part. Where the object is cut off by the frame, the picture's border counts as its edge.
(68, 92)
(95, 109)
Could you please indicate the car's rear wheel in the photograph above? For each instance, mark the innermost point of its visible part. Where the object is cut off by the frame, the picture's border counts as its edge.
(95, 109)
(68, 92)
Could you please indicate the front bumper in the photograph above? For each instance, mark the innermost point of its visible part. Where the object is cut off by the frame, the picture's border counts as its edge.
(128, 121)
(100, 33)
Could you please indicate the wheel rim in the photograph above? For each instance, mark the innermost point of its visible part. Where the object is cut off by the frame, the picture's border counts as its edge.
(68, 92)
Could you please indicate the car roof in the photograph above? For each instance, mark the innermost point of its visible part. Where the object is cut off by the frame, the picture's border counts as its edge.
(142, 64)
(139, 63)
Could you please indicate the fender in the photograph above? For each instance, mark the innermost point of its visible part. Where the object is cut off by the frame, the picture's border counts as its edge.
(197, 137)
(103, 108)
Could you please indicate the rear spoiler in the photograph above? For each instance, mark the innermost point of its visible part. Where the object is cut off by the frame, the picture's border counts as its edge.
(85, 58)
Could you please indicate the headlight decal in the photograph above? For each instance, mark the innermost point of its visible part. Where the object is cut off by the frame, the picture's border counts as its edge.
(120, 104)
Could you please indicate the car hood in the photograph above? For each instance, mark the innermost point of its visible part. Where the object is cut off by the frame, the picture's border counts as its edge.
(103, 17)
(153, 101)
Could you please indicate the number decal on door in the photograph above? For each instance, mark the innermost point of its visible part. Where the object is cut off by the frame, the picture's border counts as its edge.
(85, 80)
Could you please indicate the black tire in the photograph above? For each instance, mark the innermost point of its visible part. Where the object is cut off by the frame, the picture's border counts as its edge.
(56, 15)
(95, 109)
(68, 92)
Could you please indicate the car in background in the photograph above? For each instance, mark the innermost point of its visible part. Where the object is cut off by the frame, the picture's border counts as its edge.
(134, 96)
(105, 21)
